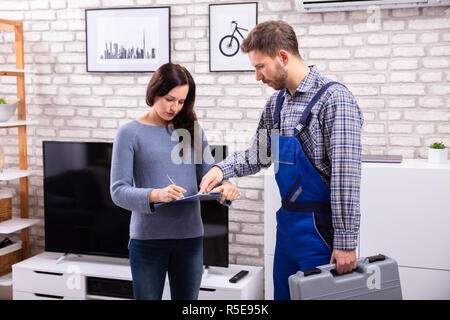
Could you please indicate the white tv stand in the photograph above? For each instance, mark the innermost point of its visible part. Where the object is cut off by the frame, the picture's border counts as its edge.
(46, 276)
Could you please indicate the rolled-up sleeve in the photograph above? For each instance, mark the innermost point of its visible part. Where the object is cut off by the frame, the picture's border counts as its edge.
(342, 129)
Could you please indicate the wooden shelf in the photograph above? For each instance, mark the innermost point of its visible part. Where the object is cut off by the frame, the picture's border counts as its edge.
(17, 123)
(14, 72)
(16, 224)
(6, 280)
(19, 71)
(9, 24)
(11, 248)
(12, 174)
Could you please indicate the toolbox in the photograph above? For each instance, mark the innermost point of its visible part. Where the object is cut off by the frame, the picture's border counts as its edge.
(375, 278)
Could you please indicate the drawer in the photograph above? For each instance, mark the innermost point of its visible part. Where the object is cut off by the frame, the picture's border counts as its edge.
(19, 295)
(209, 294)
(51, 283)
(218, 294)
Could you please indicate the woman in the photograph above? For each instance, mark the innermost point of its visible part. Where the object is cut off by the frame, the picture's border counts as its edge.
(146, 171)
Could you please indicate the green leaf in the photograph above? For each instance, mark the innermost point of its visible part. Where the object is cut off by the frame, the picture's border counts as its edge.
(437, 145)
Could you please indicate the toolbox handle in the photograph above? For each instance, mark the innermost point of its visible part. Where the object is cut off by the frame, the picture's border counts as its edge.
(378, 257)
(332, 267)
(335, 274)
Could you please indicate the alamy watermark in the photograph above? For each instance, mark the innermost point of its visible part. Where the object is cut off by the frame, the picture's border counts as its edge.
(374, 280)
(373, 22)
(263, 145)
(74, 279)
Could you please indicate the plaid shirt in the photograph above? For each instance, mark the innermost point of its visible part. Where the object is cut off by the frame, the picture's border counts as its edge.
(331, 140)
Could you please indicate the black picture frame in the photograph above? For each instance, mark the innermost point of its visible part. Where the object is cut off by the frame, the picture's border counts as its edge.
(113, 39)
(242, 18)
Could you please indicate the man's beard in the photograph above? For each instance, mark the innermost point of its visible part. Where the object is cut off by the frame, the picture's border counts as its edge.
(279, 80)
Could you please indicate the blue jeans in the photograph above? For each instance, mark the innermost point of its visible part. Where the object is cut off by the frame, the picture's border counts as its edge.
(182, 259)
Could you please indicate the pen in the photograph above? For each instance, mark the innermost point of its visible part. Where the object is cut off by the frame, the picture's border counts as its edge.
(171, 180)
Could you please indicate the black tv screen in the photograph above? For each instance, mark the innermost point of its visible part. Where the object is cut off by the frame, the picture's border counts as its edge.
(80, 216)
(215, 223)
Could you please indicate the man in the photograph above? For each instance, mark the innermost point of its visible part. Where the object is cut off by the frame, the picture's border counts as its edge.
(317, 157)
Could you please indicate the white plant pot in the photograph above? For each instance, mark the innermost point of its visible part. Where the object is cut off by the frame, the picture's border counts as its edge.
(437, 155)
(7, 110)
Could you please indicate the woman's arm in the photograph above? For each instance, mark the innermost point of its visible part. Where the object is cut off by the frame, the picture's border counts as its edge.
(123, 192)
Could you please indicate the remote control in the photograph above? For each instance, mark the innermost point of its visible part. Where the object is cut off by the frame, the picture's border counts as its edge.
(238, 276)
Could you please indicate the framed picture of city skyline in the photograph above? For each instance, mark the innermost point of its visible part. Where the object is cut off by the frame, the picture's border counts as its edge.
(127, 39)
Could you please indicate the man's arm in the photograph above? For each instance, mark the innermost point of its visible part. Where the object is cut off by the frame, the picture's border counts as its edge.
(227, 189)
(342, 122)
(243, 163)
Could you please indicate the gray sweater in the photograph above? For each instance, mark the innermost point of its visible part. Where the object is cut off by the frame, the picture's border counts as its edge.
(141, 160)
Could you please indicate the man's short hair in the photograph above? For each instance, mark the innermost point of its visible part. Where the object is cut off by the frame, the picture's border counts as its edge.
(270, 37)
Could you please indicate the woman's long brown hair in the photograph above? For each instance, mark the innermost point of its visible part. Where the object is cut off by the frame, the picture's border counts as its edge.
(167, 77)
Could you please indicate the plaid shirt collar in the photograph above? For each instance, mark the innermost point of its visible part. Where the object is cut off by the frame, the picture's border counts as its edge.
(307, 83)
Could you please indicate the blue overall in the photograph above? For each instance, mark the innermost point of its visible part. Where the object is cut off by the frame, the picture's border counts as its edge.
(304, 237)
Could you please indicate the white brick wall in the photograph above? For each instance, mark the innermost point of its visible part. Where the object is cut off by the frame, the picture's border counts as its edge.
(398, 69)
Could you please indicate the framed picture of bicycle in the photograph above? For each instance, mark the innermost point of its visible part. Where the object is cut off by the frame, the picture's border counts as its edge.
(229, 25)
(127, 39)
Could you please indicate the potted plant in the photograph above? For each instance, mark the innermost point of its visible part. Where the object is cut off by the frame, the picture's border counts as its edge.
(437, 153)
(7, 108)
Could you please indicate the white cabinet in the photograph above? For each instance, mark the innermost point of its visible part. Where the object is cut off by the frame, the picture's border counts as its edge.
(49, 283)
(215, 284)
(19, 295)
(272, 202)
(43, 277)
(424, 284)
(405, 214)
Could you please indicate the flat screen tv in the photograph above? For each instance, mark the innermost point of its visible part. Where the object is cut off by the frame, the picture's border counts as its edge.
(215, 223)
(80, 216)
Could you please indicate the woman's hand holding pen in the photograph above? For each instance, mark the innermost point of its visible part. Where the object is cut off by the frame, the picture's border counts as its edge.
(228, 190)
(167, 194)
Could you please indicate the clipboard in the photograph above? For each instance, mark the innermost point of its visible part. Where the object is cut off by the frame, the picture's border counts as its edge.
(199, 196)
